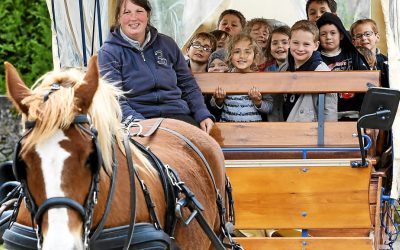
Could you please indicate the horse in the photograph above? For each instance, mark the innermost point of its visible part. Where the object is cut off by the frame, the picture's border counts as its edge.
(73, 130)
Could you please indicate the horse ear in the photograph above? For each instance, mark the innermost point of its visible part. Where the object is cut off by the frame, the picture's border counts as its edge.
(16, 88)
(87, 89)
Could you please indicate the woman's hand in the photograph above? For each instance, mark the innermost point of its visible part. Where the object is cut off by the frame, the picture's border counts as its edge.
(206, 125)
(219, 96)
(255, 96)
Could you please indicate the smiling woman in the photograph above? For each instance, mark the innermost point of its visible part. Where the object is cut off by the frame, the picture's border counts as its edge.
(150, 68)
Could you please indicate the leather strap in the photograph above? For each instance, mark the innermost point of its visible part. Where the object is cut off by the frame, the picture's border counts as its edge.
(58, 201)
(103, 219)
(131, 169)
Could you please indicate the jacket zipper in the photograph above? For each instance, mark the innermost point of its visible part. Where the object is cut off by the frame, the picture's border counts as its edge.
(141, 53)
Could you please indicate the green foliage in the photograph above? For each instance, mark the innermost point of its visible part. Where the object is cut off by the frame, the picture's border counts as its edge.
(25, 39)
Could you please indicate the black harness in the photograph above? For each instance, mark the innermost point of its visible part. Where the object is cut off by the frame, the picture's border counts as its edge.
(177, 194)
(86, 211)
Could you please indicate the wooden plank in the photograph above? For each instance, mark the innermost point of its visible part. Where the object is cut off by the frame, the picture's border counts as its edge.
(377, 222)
(288, 82)
(301, 197)
(283, 134)
(340, 243)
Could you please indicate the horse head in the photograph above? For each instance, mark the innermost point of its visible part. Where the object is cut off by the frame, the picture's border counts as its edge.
(58, 158)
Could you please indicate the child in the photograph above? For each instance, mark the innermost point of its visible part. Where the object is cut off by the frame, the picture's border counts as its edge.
(242, 108)
(200, 48)
(304, 56)
(231, 21)
(339, 54)
(315, 8)
(217, 61)
(222, 37)
(259, 29)
(369, 56)
(337, 49)
(216, 64)
(365, 33)
(278, 48)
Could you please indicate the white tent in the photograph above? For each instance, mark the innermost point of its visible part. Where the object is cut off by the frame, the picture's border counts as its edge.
(80, 27)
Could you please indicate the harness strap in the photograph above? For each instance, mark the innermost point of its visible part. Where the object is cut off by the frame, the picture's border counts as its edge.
(194, 206)
(57, 201)
(154, 127)
(103, 219)
(170, 221)
(219, 201)
(131, 169)
(231, 202)
(197, 150)
(149, 201)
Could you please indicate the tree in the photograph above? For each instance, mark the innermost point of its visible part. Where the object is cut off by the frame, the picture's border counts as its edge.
(25, 39)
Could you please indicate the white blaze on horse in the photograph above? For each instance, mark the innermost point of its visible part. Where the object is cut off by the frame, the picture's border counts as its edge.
(61, 158)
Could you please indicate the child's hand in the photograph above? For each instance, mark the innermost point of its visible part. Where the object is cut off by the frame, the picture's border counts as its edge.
(255, 96)
(219, 95)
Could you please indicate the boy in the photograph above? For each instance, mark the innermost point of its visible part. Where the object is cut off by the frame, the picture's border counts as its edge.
(315, 8)
(338, 52)
(222, 37)
(231, 21)
(304, 56)
(365, 33)
(200, 48)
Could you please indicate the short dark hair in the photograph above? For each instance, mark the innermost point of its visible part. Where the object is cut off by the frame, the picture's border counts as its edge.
(145, 4)
(235, 13)
(205, 35)
(220, 34)
(331, 4)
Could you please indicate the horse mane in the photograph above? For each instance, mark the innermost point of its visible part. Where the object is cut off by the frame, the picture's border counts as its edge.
(59, 110)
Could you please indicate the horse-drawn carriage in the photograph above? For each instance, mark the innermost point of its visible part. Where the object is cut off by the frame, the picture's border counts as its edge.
(301, 183)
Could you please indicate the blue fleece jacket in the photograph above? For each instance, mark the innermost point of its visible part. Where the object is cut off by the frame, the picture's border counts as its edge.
(157, 80)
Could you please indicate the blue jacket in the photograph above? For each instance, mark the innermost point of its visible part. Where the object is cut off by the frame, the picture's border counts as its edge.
(157, 81)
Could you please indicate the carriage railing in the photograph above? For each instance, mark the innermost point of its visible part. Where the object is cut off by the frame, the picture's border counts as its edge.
(304, 150)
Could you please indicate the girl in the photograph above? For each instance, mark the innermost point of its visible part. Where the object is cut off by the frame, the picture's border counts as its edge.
(242, 108)
(278, 47)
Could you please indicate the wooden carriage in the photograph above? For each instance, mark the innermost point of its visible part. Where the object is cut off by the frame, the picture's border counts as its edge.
(295, 180)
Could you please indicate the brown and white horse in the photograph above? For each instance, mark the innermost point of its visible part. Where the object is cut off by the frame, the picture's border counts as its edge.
(56, 157)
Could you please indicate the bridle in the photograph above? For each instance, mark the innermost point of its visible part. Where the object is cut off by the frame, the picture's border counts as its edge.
(85, 211)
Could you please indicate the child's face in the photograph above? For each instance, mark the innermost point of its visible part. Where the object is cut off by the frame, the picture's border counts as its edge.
(222, 43)
(279, 46)
(242, 56)
(231, 24)
(363, 35)
(259, 32)
(315, 10)
(330, 37)
(217, 65)
(202, 53)
(302, 46)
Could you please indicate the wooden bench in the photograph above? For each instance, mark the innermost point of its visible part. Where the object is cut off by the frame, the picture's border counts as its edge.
(283, 177)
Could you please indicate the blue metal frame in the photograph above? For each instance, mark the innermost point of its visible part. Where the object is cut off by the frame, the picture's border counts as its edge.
(304, 150)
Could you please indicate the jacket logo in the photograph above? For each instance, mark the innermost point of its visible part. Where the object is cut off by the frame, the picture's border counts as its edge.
(160, 57)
